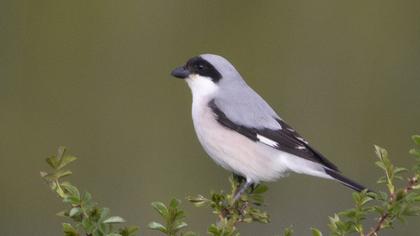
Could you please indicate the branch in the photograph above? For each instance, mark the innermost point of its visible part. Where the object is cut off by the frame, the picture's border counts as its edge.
(382, 220)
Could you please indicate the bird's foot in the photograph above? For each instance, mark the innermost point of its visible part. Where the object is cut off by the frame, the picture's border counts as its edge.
(242, 189)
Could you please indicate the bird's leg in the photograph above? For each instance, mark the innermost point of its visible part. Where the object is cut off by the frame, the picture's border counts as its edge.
(242, 189)
(239, 178)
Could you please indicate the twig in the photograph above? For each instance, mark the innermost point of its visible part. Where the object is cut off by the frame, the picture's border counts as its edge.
(379, 225)
(374, 231)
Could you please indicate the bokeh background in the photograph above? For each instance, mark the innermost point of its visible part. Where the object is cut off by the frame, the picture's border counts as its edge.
(94, 76)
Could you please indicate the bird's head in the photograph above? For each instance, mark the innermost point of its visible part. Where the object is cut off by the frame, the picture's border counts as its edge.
(206, 74)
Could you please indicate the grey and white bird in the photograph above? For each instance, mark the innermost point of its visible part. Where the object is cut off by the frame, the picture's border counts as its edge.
(241, 132)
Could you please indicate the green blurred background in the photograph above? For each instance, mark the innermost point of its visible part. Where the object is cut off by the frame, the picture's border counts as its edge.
(94, 76)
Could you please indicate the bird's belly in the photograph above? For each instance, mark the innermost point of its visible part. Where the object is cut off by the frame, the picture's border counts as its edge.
(236, 152)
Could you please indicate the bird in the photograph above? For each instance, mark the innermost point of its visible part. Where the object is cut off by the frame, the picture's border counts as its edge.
(240, 131)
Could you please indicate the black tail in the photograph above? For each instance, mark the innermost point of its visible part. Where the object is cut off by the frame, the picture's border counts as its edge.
(346, 181)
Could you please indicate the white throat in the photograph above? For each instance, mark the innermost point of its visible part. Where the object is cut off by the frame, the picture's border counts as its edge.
(202, 88)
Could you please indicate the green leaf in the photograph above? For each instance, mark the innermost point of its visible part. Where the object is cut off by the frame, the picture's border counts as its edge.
(381, 165)
(69, 230)
(198, 201)
(416, 139)
(87, 197)
(399, 170)
(52, 161)
(70, 189)
(415, 152)
(261, 188)
(213, 229)
(113, 234)
(288, 231)
(65, 160)
(113, 220)
(380, 152)
(129, 231)
(62, 173)
(174, 203)
(86, 224)
(103, 214)
(316, 232)
(161, 209)
(62, 214)
(43, 174)
(60, 152)
(75, 211)
(180, 225)
(189, 233)
(157, 226)
(411, 211)
(74, 200)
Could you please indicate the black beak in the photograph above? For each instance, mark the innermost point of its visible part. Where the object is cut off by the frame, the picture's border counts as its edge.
(180, 72)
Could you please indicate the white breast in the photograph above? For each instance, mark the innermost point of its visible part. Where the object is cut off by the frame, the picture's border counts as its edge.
(229, 149)
(234, 151)
(256, 161)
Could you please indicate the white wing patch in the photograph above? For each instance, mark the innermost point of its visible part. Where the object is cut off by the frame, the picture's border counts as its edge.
(267, 141)
(300, 147)
(274, 144)
(303, 140)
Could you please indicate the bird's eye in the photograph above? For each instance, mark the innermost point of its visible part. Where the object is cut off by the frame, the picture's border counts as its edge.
(200, 66)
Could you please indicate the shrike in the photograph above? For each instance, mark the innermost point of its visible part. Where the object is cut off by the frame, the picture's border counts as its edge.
(241, 132)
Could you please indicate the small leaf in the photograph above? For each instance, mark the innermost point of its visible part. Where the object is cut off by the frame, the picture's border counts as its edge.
(60, 152)
(65, 160)
(189, 233)
(316, 232)
(74, 200)
(128, 231)
(103, 214)
(288, 231)
(52, 161)
(72, 190)
(398, 170)
(198, 201)
(48, 177)
(381, 165)
(380, 152)
(88, 225)
(174, 203)
(69, 230)
(416, 186)
(62, 214)
(213, 229)
(261, 188)
(62, 173)
(416, 139)
(87, 197)
(161, 209)
(415, 152)
(157, 226)
(43, 174)
(180, 226)
(75, 211)
(113, 220)
(113, 234)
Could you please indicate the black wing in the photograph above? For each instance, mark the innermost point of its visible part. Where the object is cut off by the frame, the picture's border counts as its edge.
(285, 139)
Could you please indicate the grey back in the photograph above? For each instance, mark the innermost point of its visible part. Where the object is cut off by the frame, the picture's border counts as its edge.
(240, 103)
